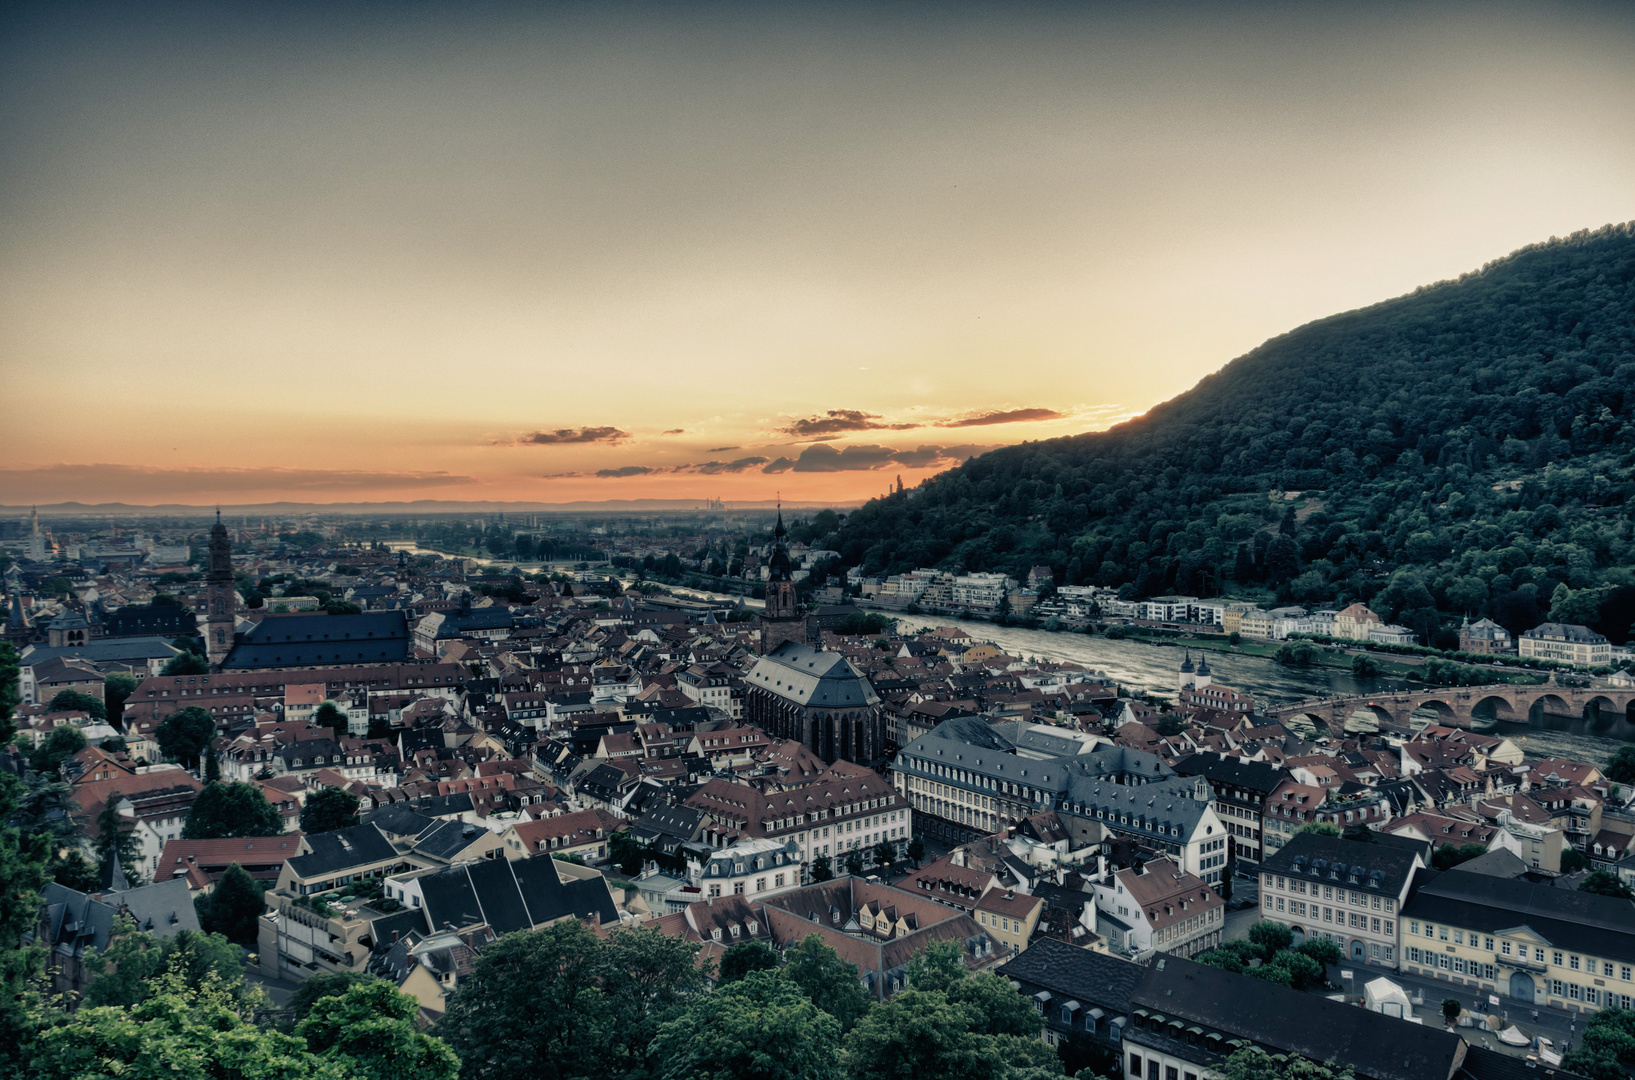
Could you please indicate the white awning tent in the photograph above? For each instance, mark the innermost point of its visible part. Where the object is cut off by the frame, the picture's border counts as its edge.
(1381, 995)
(1512, 1036)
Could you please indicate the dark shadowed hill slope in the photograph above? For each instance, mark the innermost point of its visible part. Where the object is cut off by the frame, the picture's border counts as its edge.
(1466, 449)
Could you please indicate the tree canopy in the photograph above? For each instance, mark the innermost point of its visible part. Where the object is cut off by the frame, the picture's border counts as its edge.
(236, 809)
(330, 809)
(185, 734)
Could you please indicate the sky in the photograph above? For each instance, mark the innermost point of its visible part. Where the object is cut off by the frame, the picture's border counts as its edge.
(552, 252)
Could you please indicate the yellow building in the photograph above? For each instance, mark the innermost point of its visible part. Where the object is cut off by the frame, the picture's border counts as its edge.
(1009, 917)
(1528, 943)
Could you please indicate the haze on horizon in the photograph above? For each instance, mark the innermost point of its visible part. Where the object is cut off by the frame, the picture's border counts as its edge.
(360, 252)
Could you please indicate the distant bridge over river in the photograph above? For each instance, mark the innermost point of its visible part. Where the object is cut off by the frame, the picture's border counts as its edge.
(1463, 706)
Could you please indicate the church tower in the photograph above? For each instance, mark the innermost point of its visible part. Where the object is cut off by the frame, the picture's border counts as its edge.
(781, 621)
(220, 599)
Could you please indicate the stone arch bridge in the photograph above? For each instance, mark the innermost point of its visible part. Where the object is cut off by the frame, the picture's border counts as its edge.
(1459, 706)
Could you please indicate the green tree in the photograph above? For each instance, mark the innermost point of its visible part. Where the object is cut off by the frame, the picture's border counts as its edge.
(1270, 937)
(1326, 951)
(62, 743)
(233, 908)
(330, 716)
(330, 809)
(760, 1027)
(626, 852)
(370, 1031)
(187, 663)
(1447, 856)
(916, 849)
(178, 1032)
(1451, 1009)
(185, 735)
(226, 810)
(1364, 666)
(1320, 828)
(75, 701)
(588, 1005)
(1621, 765)
(128, 971)
(1573, 860)
(25, 859)
(744, 957)
(822, 869)
(885, 853)
(1253, 1063)
(854, 863)
(831, 983)
(116, 838)
(319, 985)
(1607, 1049)
(1606, 883)
(947, 1024)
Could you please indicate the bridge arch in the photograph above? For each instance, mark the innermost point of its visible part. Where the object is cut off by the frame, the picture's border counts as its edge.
(1551, 704)
(1495, 707)
(1445, 713)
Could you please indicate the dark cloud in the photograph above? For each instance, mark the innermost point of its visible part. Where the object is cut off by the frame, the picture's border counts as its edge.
(623, 471)
(674, 431)
(720, 449)
(1002, 416)
(100, 482)
(712, 468)
(823, 457)
(837, 422)
(573, 435)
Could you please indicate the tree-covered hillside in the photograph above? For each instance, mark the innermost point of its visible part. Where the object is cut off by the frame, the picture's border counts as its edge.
(1466, 449)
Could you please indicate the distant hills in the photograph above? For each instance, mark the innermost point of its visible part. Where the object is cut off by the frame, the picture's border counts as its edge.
(1468, 449)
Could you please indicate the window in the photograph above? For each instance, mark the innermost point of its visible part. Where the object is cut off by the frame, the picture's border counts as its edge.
(1555, 958)
(1135, 1065)
(1572, 962)
(1504, 947)
(1487, 944)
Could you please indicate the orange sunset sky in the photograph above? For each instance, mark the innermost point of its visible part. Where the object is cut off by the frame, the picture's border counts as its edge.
(335, 253)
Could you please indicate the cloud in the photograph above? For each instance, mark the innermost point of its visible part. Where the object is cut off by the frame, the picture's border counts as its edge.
(837, 422)
(674, 431)
(712, 468)
(104, 482)
(623, 471)
(823, 457)
(1002, 416)
(573, 435)
(719, 449)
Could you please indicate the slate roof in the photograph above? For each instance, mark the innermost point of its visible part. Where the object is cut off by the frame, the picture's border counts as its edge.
(1602, 926)
(1373, 1045)
(104, 650)
(1383, 864)
(1249, 775)
(332, 852)
(373, 637)
(512, 895)
(808, 676)
(1072, 973)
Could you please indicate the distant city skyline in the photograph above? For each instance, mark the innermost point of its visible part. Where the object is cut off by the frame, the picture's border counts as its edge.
(336, 254)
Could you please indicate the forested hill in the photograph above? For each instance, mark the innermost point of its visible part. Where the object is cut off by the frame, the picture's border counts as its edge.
(1466, 449)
